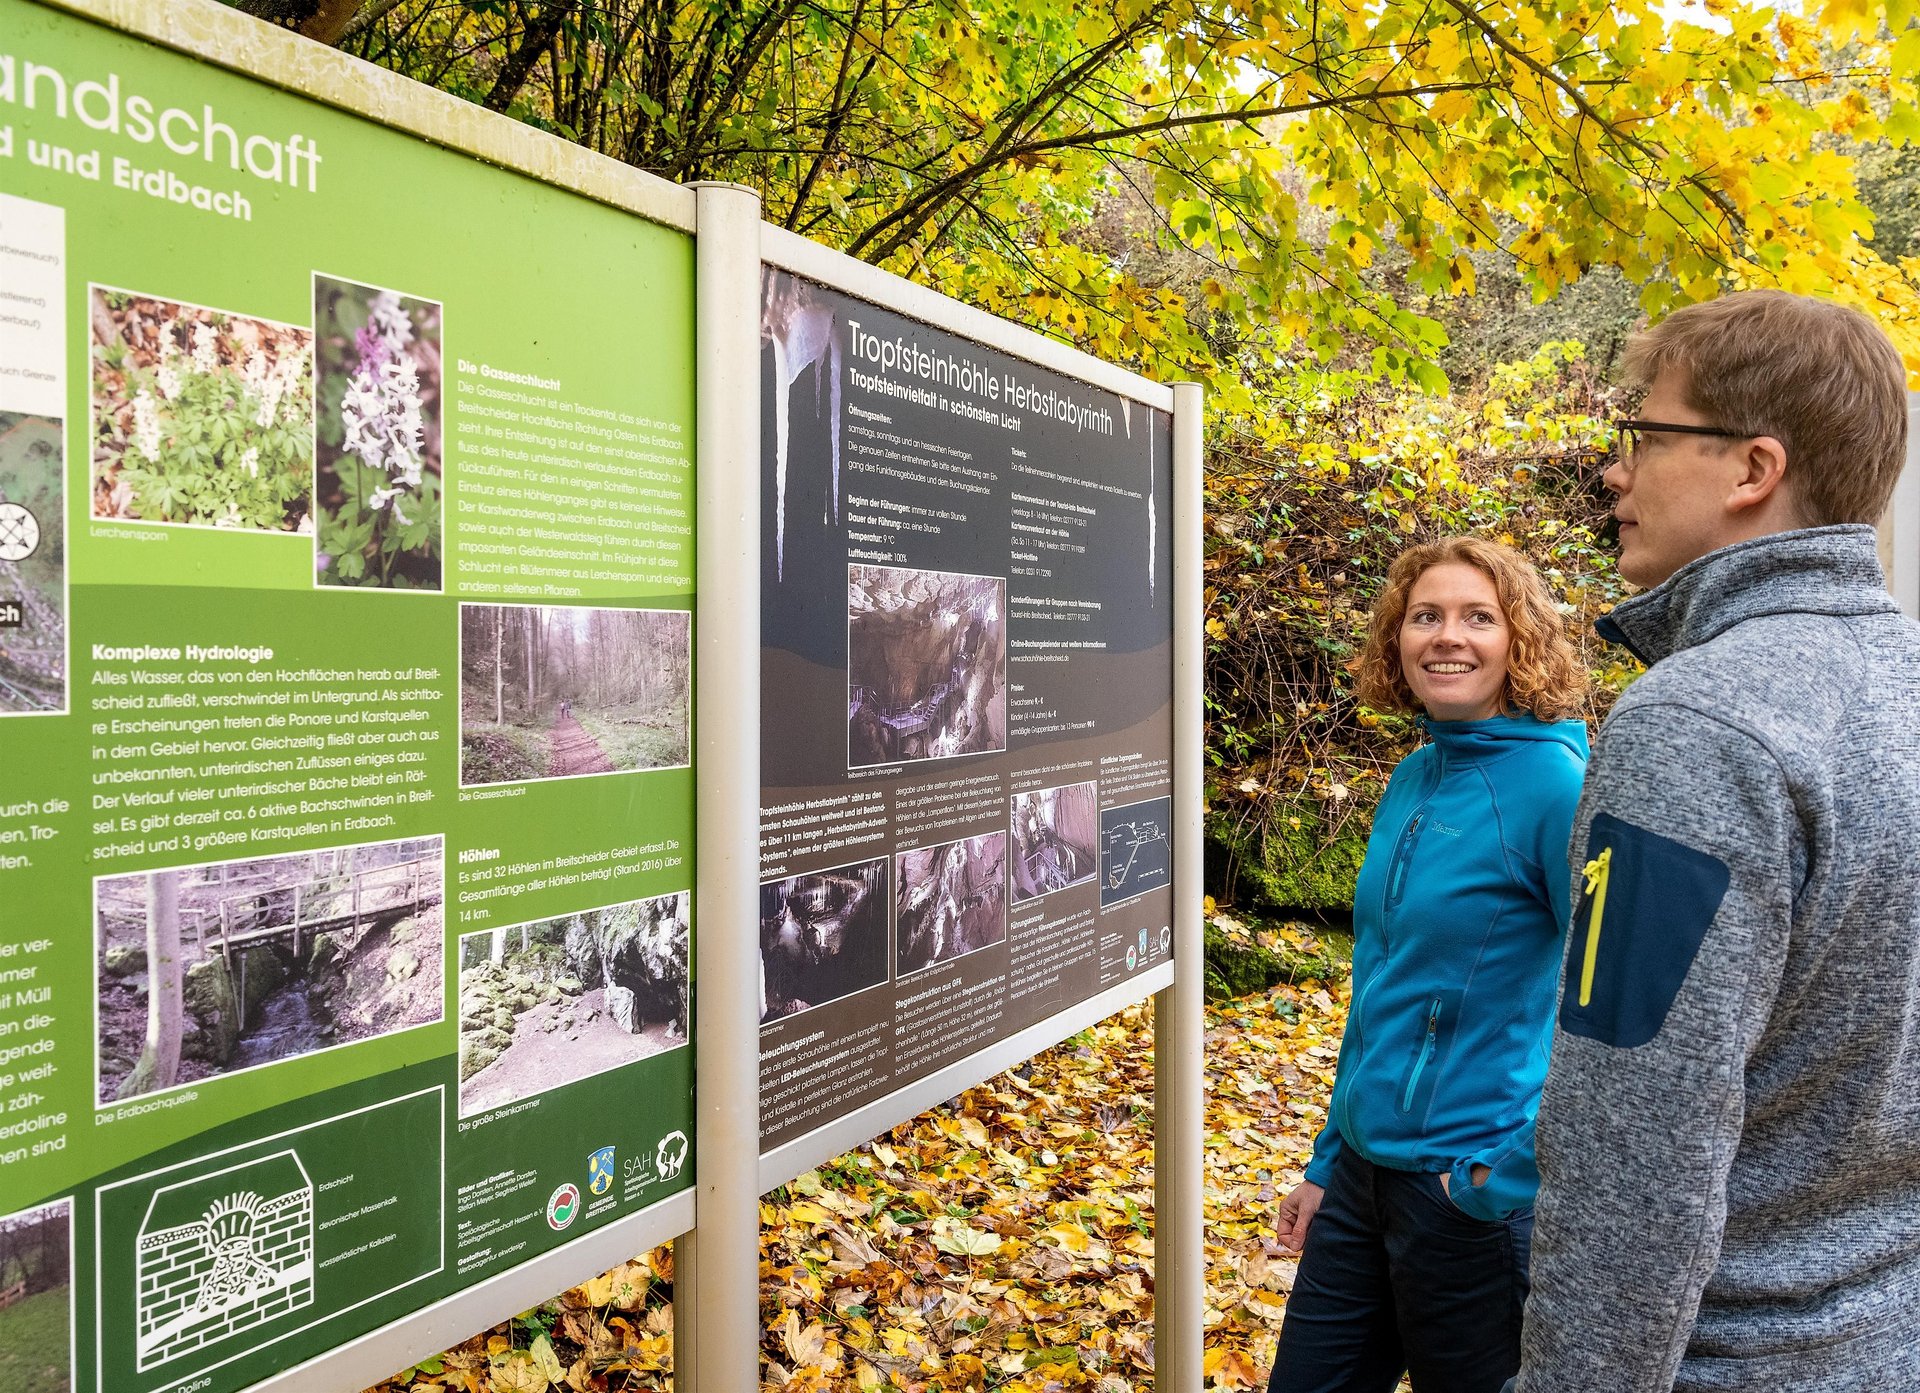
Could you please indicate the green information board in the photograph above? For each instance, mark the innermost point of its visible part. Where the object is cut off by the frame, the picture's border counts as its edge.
(346, 572)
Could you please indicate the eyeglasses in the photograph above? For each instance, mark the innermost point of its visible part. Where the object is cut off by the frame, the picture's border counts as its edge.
(1627, 433)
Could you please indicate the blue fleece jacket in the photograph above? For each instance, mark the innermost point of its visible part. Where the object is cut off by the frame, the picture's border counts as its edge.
(1458, 920)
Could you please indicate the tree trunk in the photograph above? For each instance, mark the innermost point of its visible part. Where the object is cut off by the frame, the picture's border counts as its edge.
(329, 22)
(536, 38)
(527, 634)
(499, 664)
(497, 952)
(159, 1063)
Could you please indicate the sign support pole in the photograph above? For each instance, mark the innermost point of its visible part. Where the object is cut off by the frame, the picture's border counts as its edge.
(1900, 528)
(1179, 1074)
(723, 1284)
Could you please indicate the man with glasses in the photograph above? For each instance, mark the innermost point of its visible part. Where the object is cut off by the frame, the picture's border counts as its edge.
(1729, 1138)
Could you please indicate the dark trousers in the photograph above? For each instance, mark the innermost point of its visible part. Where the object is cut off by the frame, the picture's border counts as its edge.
(1396, 1280)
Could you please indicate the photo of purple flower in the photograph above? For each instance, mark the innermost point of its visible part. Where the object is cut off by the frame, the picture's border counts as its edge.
(377, 449)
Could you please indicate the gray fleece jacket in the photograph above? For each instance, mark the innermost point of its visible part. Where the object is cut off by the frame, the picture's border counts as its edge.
(1729, 1138)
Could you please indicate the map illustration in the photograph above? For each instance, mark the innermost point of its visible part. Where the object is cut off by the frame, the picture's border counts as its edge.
(1136, 849)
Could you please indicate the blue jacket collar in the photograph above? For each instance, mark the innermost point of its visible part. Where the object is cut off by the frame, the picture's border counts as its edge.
(1501, 735)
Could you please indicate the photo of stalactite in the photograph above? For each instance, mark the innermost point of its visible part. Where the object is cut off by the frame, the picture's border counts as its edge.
(1056, 839)
(951, 900)
(926, 665)
(822, 936)
(798, 323)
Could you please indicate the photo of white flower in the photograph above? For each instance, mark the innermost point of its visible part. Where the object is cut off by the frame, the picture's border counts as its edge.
(201, 418)
(378, 478)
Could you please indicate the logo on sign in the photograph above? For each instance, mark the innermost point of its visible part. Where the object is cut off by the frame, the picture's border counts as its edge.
(1166, 938)
(19, 533)
(563, 1206)
(671, 1154)
(600, 1171)
(1132, 957)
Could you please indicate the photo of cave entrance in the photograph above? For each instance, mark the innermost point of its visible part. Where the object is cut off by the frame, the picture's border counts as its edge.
(552, 1002)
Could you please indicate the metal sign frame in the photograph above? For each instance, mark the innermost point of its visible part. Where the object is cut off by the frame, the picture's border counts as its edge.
(221, 36)
(733, 1174)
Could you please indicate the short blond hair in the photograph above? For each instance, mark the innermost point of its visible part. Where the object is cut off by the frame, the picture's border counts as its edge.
(1822, 379)
(1544, 675)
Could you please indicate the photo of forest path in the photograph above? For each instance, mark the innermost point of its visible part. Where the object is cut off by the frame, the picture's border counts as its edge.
(926, 665)
(551, 692)
(208, 970)
(36, 1300)
(33, 566)
(550, 1003)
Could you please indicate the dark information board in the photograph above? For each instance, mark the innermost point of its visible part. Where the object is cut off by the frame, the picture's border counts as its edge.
(345, 786)
(967, 676)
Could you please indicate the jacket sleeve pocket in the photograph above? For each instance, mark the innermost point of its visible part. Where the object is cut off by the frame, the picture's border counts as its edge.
(1644, 909)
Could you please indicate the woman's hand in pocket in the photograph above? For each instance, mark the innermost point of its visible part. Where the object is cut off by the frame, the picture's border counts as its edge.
(1480, 1174)
(1296, 1214)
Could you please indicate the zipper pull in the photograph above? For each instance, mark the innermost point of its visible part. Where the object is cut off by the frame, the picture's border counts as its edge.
(1433, 1019)
(1598, 872)
(1596, 869)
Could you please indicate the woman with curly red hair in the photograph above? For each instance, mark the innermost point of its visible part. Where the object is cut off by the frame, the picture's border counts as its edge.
(1416, 1213)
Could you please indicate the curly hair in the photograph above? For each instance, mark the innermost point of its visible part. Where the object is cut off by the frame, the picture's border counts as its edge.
(1544, 675)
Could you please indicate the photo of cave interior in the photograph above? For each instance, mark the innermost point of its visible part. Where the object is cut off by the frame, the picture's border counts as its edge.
(951, 900)
(926, 665)
(823, 936)
(1056, 834)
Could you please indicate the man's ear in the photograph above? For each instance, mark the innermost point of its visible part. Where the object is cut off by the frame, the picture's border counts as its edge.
(1761, 480)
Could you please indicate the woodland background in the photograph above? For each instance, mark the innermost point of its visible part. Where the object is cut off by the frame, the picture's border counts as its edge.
(1401, 243)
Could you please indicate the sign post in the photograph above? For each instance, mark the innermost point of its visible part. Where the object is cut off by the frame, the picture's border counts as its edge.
(725, 1282)
(1179, 1063)
(350, 994)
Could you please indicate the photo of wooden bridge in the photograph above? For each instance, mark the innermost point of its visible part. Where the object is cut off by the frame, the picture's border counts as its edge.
(294, 915)
(207, 970)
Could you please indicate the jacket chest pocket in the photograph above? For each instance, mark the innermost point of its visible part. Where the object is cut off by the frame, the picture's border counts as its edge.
(1645, 907)
(1435, 1029)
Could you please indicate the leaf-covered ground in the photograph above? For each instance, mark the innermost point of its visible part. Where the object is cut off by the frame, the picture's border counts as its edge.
(1002, 1241)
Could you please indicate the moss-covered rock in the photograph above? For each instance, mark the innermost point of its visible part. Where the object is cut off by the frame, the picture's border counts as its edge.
(207, 995)
(122, 962)
(265, 973)
(480, 1048)
(1272, 864)
(1243, 959)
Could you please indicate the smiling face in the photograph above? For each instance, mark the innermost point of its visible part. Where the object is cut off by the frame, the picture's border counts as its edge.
(1454, 641)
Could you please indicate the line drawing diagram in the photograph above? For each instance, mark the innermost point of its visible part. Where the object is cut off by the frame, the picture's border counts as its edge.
(223, 1253)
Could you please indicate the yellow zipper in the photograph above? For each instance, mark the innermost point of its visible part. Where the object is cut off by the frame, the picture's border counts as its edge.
(1596, 872)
